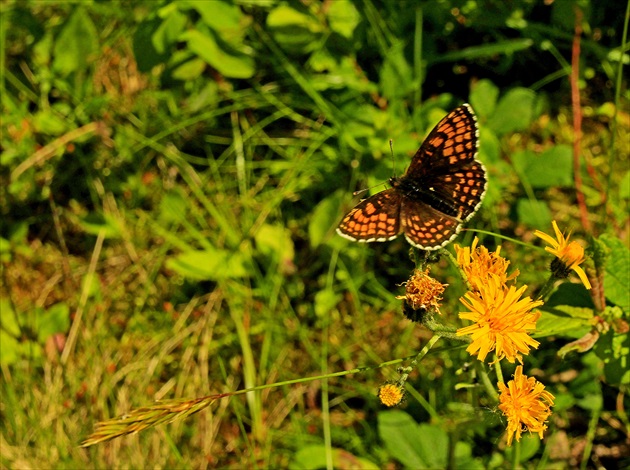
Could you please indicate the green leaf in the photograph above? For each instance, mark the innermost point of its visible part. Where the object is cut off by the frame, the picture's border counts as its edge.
(167, 32)
(274, 241)
(314, 456)
(515, 111)
(75, 44)
(396, 77)
(294, 31)
(325, 301)
(343, 17)
(95, 222)
(614, 350)
(55, 320)
(553, 167)
(8, 318)
(49, 122)
(9, 348)
(530, 443)
(232, 64)
(225, 18)
(617, 278)
(563, 320)
(150, 44)
(415, 445)
(212, 264)
(323, 219)
(533, 213)
(172, 208)
(508, 46)
(483, 98)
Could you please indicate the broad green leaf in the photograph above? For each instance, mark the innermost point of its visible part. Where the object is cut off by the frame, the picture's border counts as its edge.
(293, 30)
(9, 348)
(325, 301)
(483, 98)
(150, 48)
(614, 350)
(211, 264)
(76, 43)
(343, 17)
(231, 64)
(415, 445)
(395, 77)
(529, 445)
(565, 321)
(489, 146)
(533, 213)
(514, 112)
(553, 167)
(314, 456)
(49, 122)
(225, 18)
(55, 319)
(617, 278)
(172, 208)
(274, 241)
(323, 219)
(167, 33)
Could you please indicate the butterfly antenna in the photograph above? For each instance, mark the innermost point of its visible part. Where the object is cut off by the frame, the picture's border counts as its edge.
(391, 149)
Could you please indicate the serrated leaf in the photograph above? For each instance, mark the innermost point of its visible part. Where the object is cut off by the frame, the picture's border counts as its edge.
(617, 278)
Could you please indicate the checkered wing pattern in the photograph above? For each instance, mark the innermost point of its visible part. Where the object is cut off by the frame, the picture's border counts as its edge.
(442, 188)
(446, 164)
(425, 227)
(375, 219)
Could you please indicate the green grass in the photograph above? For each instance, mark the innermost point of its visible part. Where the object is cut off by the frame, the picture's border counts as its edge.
(172, 175)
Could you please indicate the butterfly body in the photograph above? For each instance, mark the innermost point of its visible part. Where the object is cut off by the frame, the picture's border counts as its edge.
(442, 188)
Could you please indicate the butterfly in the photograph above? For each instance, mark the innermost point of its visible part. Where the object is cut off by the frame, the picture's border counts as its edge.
(442, 188)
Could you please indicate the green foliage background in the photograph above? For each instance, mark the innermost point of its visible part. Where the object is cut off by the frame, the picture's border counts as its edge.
(172, 175)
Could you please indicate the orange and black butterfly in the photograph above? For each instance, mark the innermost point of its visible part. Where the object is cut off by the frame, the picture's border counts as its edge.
(442, 188)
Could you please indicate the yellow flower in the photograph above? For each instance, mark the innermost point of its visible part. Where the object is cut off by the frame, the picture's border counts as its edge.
(422, 292)
(391, 394)
(569, 255)
(526, 405)
(502, 320)
(479, 263)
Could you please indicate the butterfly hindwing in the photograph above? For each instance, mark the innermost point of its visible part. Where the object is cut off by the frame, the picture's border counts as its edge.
(376, 218)
(425, 227)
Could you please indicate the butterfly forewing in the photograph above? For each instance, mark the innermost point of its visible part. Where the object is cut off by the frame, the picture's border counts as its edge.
(376, 218)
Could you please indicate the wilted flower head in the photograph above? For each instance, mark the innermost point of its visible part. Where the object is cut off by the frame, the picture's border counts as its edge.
(569, 255)
(479, 263)
(502, 320)
(526, 405)
(391, 394)
(422, 292)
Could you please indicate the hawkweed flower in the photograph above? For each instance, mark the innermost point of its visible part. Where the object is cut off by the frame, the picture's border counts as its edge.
(569, 255)
(391, 394)
(479, 263)
(423, 294)
(526, 405)
(502, 320)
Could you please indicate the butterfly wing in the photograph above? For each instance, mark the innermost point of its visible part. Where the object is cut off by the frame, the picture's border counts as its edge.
(445, 166)
(375, 219)
(425, 227)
